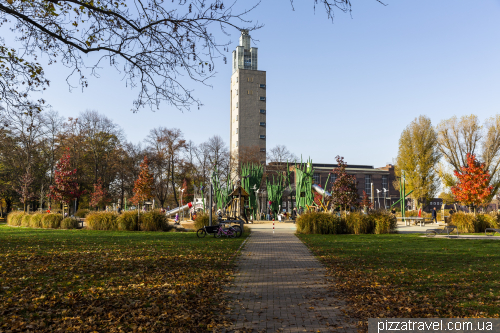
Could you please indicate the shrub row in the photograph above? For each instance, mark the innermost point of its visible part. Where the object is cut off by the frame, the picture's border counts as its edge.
(40, 220)
(470, 223)
(150, 221)
(378, 222)
(82, 213)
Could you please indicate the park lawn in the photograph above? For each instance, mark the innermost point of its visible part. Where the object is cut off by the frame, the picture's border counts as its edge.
(105, 281)
(407, 276)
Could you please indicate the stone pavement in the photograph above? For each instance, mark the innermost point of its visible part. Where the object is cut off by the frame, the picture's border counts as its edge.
(281, 287)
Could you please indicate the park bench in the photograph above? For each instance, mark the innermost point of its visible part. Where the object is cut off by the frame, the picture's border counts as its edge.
(491, 231)
(447, 229)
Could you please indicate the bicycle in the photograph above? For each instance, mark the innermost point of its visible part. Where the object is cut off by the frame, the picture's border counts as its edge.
(228, 232)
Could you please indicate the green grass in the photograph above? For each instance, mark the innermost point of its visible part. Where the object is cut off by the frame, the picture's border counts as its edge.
(409, 276)
(111, 281)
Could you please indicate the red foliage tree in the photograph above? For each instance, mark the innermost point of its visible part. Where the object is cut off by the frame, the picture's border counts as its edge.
(143, 186)
(472, 188)
(66, 187)
(344, 189)
(365, 201)
(99, 196)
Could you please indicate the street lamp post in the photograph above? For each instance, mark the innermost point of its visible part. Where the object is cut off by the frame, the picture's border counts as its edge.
(378, 198)
(385, 202)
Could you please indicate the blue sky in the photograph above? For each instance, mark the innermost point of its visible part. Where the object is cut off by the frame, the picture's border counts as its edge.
(344, 88)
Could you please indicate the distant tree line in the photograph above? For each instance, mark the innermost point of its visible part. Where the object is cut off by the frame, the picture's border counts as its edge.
(105, 164)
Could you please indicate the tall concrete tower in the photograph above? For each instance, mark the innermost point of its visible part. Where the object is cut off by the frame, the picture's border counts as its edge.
(248, 102)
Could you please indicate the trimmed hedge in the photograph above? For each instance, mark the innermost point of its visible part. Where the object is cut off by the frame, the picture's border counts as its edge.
(69, 223)
(36, 220)
(52, 221)
(154, 220)
(26, 220)
(321, 223)
(82, 213)
(14, 218)
(379, 222)
(102, 221)
(127, 221)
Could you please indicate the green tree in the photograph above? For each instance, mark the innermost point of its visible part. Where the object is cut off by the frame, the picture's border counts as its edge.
(418, 156)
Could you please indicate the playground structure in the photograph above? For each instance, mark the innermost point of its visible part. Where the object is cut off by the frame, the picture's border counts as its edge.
(251, 180)
(235, 209)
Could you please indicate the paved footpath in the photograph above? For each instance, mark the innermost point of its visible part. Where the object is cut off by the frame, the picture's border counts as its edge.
(281, 287)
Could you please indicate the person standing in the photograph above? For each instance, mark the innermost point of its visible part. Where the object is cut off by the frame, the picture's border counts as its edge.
(434, 215)
(176, 218)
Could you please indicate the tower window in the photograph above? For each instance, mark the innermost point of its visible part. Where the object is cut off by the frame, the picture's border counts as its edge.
(236, 130)
(250, 79)
(262, 98)
(236, 104)
(236, 117)
(236, 79)
(263, 149)
(262, 124)
(262, 85)
(236, 92)
(249, 92)
(236, 143)
(262, 136)
(262, 111)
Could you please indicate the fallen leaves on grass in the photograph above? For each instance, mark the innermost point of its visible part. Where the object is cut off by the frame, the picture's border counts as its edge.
(400, 285)
(133, 286)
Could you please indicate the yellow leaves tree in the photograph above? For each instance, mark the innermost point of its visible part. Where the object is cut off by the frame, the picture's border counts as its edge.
(418, 156)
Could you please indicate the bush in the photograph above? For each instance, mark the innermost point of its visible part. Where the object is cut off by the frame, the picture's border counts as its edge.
(51, 221)
(36, 220)
(468, 223)
(358, 223)
(484, 221)
(320, 223)
(102, 221)
(385, 222)
(69, 223)
(201, 220)
(154, 220)
(25, 220)
(127, 221)
(82, 213)
(379, 222)
(15, 218)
